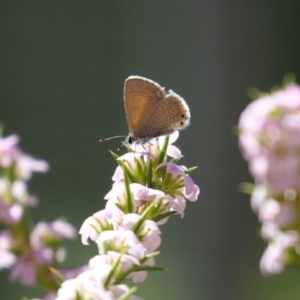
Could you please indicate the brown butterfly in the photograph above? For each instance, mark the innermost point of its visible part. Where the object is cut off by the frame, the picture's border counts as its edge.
(151, 111)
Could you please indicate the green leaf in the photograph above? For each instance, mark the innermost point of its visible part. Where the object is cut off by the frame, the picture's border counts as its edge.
(159, 172)
(57, 274)
(106, 247)
(246, 187)
(149, 268)
(254, 93)
(1, 129)
(162, 216)
(157, 208)
(167, 179)
(147, 212)
(126, 171)
(175, 160)
(114, 155)
(236, 130)
(149, 173)
(121, 207)
(129, 149)
(114, 270)
(129, 199)
(288, 79)
(276, 113)
(148, 256)
(141, 169)
(129, 293)
(137, 226)
(190, 170)
(163, 151)
(144, 216)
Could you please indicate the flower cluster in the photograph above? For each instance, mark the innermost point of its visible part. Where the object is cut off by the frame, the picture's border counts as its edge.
(147, 190)
(27, 250)
(270, 142)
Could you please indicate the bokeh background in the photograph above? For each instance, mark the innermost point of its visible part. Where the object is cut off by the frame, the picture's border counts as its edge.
(62, 70)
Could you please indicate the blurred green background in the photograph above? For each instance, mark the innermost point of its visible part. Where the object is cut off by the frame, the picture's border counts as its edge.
(62, 70)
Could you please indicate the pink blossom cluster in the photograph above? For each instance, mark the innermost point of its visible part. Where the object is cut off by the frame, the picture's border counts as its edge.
(270, 142)
(147, 189)
(27, 250)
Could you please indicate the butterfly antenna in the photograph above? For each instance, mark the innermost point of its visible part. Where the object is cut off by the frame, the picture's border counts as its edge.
(113, 137)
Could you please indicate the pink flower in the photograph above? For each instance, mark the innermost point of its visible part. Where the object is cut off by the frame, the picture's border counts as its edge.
(272, 261)
(26, 165)
(120, 241)
(48, 296)
(278, 213)
(7, 259)
(62, 229)
(172, 150)
(147, 189)
(270, 138)
(8, 149)
(88, 285)
(141, 192)
(106, 219)
(72, 272)
(164, 203)
(119, 290)
(127, 261)
(270, 142)
(48, 233)
(148, 233)
(131, 159)
(259, 194)
(4, 187)
(191, 191)
(26, 265)
(274, 258)
(19, 190)
(117, 198)
(152, 147)
(8, 144)
(10, 213)
(170, 184)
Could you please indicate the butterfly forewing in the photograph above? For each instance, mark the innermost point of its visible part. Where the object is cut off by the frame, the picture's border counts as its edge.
(141, 95)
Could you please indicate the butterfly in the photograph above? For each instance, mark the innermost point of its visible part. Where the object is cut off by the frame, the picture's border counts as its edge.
(151, 111)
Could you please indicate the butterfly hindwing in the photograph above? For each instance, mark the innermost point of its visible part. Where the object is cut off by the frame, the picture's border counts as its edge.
(169, 114)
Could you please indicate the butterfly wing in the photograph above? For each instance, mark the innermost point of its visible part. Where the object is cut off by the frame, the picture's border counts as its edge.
(140, 96)
(168, 115)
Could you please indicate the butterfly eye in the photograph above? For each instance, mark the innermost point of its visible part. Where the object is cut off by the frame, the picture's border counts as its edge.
(130, 140)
